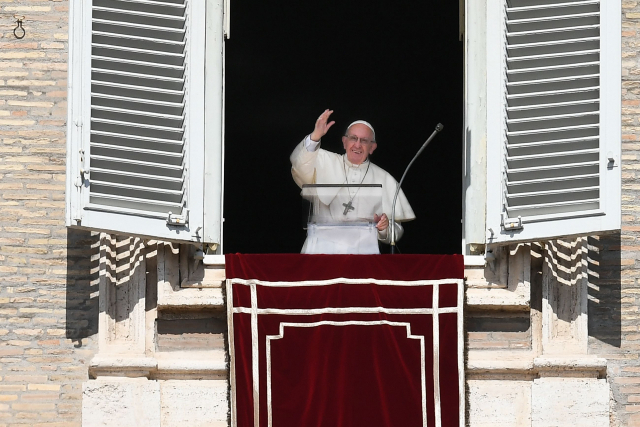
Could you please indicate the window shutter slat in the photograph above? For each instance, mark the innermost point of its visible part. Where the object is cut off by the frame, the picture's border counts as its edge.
(137, 30)
(137, 213)
(553, 164)
(543, 209)
(123, 177)
(552, 159)
(129, 165)
(550, 147)
(127, 140)
(552, 184)
(111, 203)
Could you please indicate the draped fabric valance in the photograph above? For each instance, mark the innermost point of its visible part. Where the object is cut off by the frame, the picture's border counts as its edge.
(346, 340)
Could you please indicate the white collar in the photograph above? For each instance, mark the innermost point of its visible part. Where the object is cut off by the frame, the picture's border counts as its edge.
(351, 165)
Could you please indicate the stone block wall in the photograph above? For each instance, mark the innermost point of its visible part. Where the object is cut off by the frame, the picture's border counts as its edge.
(615, 294)
(48, 293)
(496, 330)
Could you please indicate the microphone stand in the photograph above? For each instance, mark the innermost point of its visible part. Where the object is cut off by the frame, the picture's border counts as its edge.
(439, 127)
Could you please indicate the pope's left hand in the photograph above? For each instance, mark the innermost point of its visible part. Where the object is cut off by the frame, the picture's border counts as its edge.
(382, 222)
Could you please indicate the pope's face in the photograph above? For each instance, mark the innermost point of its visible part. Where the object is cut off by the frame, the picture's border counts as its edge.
(358, 143)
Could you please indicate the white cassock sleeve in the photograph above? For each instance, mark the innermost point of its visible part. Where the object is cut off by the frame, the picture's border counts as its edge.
(385, 235)
(310, 144)
(303, 161)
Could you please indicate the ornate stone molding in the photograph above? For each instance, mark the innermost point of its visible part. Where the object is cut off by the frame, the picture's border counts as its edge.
(504, 282)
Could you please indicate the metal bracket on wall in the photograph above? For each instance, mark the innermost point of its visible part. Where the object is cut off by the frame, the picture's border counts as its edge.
(19, 31)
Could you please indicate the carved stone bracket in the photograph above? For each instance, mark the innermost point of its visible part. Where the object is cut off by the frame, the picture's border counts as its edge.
(504, 283)
(122, 295)
(564, 297)
(185, 282)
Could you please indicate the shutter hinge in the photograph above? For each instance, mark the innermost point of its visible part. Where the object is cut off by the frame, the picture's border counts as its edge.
(226, 20)
(178, 220)
(511, 223)
(83, 170)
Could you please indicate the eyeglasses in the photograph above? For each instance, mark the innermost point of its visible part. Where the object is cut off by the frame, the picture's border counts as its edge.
(354, 139)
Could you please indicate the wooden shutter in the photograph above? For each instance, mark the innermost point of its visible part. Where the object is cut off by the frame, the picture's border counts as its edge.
(136, 131)
(554, 134)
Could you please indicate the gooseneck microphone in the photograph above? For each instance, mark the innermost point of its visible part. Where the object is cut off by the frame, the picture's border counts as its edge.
(439, 127)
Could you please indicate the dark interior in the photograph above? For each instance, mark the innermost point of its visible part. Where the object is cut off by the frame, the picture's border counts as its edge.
(398, 65)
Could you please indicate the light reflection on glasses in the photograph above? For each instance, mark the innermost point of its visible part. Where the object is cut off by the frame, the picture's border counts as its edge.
(354, 139)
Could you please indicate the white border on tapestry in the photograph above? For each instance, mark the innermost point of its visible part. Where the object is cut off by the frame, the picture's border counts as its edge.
(346, 281)
(461, 383)
(436, 356)
(406, 325)
(255, 355)
(343, 310)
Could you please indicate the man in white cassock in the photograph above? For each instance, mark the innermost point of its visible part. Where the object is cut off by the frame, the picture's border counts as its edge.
(342, 205)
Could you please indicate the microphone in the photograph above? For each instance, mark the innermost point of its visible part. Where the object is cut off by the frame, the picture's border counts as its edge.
(439, 127)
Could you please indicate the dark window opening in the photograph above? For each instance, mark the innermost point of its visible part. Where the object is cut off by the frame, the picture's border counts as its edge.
(397, 65)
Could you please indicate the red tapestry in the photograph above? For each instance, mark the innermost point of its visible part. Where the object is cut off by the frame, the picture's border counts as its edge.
(346, 340)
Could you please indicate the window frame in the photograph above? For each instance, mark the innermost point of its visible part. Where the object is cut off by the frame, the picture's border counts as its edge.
(204, 153)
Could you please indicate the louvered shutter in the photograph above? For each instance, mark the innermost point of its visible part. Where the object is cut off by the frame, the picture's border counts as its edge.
(137, 108)
(553, 117)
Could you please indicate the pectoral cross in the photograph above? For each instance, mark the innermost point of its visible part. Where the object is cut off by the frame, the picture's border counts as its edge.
(347, 207)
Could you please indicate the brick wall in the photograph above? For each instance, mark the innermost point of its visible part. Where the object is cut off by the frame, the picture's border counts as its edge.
(48, 304)
(614, 296)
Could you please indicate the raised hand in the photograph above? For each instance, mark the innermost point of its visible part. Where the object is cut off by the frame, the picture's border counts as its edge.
(382, 222)
(322, 127)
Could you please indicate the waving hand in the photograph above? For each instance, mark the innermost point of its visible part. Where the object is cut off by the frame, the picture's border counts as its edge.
(322, 125)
